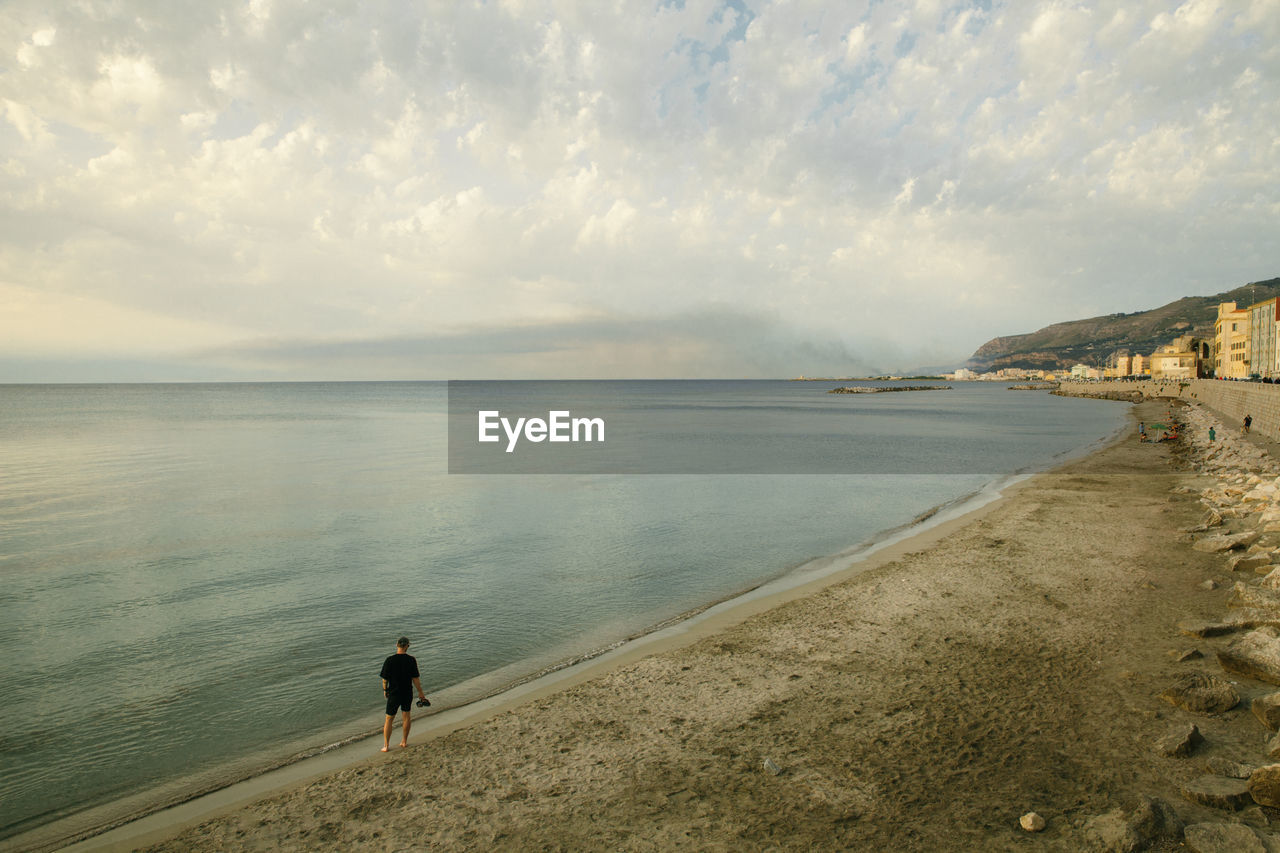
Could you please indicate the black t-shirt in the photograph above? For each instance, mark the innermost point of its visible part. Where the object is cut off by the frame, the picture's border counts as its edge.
(400, 671)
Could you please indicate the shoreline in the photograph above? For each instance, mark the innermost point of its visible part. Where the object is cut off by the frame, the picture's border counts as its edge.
(805, 580)
(73, 756)
(1007, 661)
(686, 627)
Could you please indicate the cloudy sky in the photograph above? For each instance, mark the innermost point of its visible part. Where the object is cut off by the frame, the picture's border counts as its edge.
(525, 188)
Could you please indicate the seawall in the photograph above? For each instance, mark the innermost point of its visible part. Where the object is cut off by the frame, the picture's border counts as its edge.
(1231, 401)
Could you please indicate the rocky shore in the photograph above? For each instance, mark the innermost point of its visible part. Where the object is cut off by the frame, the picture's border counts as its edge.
(1239, 489)
(1089, 664)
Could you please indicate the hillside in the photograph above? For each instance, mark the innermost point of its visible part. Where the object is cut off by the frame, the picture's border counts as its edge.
(1091, 341)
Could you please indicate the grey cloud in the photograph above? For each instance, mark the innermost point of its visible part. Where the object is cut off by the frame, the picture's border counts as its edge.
(713, 343)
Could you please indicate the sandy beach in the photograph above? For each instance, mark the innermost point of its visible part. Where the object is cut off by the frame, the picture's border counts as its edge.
(924, 701)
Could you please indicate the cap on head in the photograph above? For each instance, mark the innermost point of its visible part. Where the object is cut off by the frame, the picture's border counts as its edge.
(402, 643)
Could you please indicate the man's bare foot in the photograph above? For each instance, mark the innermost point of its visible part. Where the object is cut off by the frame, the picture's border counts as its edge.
(385, 749)
(403, 744)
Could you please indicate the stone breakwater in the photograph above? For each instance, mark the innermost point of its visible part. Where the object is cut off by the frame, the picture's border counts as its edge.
(1235, 661)
(885, 389)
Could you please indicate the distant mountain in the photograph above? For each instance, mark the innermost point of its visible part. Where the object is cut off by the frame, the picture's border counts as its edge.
(1091, 341)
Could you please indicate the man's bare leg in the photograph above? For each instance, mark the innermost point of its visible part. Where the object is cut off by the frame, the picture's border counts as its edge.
(404, 741)
(386, 733)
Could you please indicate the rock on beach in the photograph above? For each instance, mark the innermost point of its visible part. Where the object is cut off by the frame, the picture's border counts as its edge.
(1219, 792)
(1128, 831)
(1249, 562)
(1255, 655)
(1180, 743)
(1031, 822)
(1267, 710)
(1264, 785)
(1244, 595)
(1219, 766)
(1229, 542)
(1222, 838)
(1202, 694)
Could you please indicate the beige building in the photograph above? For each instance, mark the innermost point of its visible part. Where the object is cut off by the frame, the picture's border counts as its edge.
(1119, 364)
(1140, 365)
(1186, 357)
(1231, 342)
(1201, 347)
(1263, 322)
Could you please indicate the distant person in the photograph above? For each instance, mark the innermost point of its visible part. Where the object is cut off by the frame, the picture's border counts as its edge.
(1248, 422)
(1212, 434)
(1142, 431)
(399, 680)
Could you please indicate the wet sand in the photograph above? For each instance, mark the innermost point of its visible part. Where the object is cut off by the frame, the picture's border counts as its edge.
(924, 701)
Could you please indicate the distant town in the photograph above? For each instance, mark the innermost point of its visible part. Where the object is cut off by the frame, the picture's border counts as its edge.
(1243, 346)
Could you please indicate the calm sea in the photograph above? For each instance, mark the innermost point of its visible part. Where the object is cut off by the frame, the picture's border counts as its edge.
(201, 580)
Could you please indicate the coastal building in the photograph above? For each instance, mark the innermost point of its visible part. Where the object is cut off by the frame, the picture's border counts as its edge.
(1201, 348)
(1184, 358)
(1140, 365)
(1084, 371)
(1171, 361)
(1119, 364)
(1231, 342)
(1264, 318)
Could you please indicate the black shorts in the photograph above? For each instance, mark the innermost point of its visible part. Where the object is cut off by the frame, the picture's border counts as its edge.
(403, 701)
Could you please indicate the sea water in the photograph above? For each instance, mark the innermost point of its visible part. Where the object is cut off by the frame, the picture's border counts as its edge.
(199, 581)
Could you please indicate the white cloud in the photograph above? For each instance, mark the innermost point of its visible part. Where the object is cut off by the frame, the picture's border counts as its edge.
(282, 169)
(28, 54)
(27, 123)
(855, 44)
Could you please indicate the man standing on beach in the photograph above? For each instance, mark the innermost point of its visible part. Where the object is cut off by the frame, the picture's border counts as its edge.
(399, 679)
